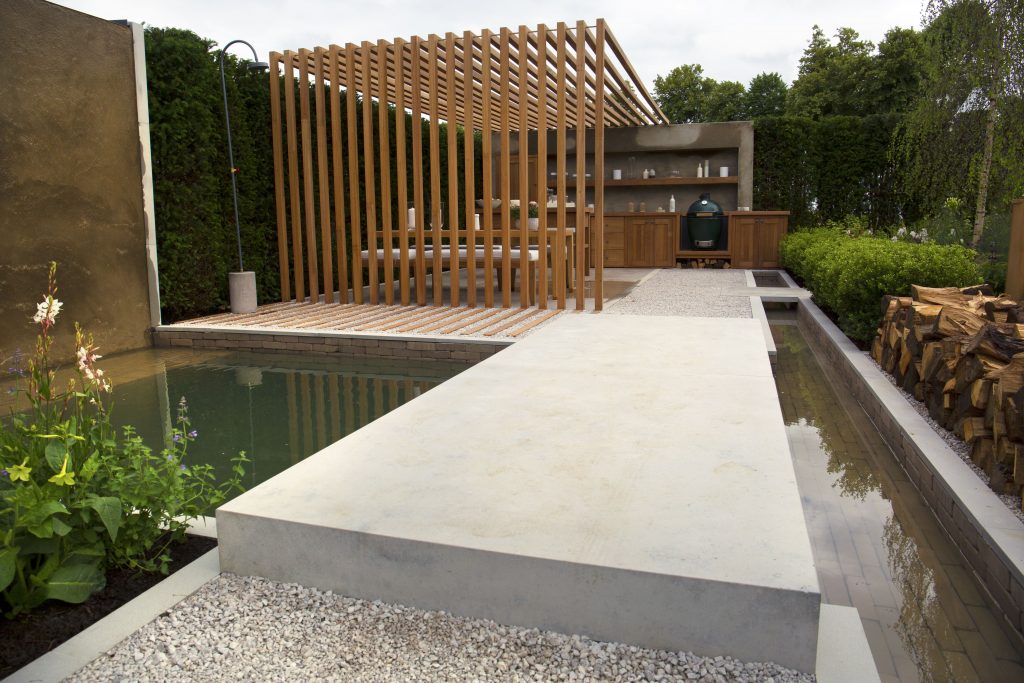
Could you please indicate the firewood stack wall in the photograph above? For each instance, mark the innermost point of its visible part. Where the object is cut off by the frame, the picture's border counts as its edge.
(961, 352)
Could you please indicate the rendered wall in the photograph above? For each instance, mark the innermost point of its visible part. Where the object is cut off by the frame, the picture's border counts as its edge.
(70, 178)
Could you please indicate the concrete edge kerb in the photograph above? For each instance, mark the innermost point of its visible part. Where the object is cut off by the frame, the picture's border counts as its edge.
(277, 331)
(76, 652)
(907, 434)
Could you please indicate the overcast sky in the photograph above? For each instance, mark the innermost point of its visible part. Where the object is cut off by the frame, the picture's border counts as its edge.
(731, 39)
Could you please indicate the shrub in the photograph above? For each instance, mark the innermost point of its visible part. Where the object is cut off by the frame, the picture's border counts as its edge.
(74, 497)
(849, 275)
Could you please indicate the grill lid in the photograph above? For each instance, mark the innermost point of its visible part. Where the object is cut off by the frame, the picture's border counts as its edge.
(705, 206)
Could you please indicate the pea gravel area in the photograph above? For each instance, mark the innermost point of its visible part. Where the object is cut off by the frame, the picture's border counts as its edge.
(695, 293)
(246, 629)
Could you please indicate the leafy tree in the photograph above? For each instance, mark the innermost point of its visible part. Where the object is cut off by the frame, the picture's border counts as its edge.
(725, 102)
(832, 76)
(962, 138)
(682, 94)
(686, 95)
(895, 78)
(766, 96)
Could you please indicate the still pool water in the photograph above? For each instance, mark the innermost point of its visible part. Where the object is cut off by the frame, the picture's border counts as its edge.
(876, 544)
(279, 409)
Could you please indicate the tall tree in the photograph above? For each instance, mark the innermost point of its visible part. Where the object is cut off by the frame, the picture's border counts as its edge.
(964, 132)
(682, 94)
(832, 76)
(766, 96)
(725, 102)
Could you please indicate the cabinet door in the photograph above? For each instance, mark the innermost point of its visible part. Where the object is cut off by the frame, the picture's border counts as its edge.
(614, 242)
(770, 231)
(666, 235)
(639, 242)
(743, 241)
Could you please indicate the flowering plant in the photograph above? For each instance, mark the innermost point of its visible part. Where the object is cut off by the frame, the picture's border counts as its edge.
(76, 497)
(532, 210)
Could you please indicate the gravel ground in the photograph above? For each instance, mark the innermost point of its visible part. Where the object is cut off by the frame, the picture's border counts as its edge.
(958, 445)
(243, 628)
(687, 292)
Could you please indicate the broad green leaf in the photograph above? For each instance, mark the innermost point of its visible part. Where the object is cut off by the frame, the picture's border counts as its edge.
(41, 512)
(89, 467)
(42, 530)
(38, 546)
(56, 451)
(60, 527)
(109, 510)
(8, 566)
(75, 583)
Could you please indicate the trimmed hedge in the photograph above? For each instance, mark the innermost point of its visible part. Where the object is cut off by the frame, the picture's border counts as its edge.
(849, 275)
(827, 169)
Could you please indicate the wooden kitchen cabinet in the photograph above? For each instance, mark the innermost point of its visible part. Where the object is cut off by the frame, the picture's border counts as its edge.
(754, 238)
(640, 240)
(614, 242)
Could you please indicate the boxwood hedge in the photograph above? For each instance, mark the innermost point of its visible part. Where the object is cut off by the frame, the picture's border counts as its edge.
(849, 275)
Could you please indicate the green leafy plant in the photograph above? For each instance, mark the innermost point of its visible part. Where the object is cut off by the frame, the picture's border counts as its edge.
(75, 497)
(848, 275)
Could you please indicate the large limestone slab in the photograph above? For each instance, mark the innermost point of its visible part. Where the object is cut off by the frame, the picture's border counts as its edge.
(622, 477)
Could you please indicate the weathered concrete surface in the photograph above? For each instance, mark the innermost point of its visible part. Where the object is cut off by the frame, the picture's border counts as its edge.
(70, 177)
(599, 477)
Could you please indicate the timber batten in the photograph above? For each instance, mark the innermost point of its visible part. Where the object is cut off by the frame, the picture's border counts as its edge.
(352, 229)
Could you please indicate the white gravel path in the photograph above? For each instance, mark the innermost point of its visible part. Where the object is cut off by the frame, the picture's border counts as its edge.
(249, 629)
(697, 293)
(955, 443)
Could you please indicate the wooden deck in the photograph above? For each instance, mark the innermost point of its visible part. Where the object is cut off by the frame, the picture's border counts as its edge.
(452, 321)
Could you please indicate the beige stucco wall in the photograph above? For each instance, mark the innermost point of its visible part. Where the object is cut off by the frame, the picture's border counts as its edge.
(70, 177)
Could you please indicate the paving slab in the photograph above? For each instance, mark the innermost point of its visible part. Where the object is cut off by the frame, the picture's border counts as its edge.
(627, 478)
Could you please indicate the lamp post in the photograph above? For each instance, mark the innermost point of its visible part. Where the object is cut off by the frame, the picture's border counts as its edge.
(241, 285)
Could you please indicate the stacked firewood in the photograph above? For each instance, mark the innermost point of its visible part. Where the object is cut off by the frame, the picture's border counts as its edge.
(961, 352)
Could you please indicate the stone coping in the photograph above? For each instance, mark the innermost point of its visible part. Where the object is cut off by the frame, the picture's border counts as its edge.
(989, 535)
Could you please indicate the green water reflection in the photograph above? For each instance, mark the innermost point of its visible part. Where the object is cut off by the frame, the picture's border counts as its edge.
(279, 409)
(877, 546)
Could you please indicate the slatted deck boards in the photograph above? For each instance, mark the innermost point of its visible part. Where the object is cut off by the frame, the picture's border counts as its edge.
(454, 321)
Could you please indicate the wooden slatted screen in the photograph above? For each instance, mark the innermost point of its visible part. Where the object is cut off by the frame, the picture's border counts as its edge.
(366, 213)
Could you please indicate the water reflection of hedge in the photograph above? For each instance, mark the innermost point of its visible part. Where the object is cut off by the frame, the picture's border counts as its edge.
(815, 400)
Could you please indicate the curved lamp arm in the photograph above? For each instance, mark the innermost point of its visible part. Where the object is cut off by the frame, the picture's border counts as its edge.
(256, 65)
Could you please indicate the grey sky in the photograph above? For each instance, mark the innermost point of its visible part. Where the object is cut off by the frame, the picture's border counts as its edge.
(731, 39)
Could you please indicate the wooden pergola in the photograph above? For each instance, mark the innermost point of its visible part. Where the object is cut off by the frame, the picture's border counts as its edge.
(335, 236)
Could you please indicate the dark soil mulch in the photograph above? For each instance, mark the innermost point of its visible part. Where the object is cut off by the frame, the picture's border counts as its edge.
(32, 635)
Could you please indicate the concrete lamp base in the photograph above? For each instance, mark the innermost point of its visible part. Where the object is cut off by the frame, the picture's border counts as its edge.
(242, 289)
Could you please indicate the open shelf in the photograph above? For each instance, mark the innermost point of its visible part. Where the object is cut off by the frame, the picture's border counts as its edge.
(704, 254)
(654, 182)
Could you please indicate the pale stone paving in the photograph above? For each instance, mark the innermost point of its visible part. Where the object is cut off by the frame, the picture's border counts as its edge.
(700, 293)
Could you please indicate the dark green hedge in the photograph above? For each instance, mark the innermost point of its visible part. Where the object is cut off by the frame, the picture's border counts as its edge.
(849, 275)
(827, 169)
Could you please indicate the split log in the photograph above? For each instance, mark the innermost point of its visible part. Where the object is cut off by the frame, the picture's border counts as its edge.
(994, 340)
(954, 321)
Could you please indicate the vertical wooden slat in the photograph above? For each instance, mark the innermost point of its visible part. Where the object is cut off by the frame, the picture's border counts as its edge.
(307, 178)
(378, 397)
(384, 137)
(321, 412)
(352, 143)
(435, 169)
(293, 416)
(522, 137)
(505, 173)
(467, 165)
(417, 169)
(338, 173)
(401, 54)
(542, 166)
(560, 154)
(327, 250)
(486, 178)
(307, 416)
(364, 401)
(369, 174)
(279, 202)
(581, 161)
(332, 396)
(597, 231)
(453, 166)
(293, 175)
(349, 394)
